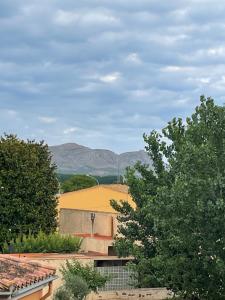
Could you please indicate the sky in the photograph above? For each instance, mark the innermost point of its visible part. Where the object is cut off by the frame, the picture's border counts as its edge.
(101, 73)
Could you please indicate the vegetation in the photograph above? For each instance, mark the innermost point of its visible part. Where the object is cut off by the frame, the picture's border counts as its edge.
(93, 279)
(176, 233)
(78, 182)
(110, 179)
(28, 187)
(74, 288)
(47, 243)
(79, 280)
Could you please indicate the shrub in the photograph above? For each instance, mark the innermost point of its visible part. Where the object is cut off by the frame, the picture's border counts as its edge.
(45, 243)
(63, 294)
(76, 285)
(93, 279)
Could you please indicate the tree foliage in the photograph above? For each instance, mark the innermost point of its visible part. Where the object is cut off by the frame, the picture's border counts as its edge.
(28, 188)
(78, 182)
(92, 277)
(177, 232)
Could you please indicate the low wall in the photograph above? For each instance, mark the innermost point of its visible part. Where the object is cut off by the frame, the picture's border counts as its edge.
(95, 245)
(147, 294)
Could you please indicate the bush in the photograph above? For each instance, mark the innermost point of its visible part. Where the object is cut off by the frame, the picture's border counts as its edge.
(43, 243)
(63, 294)
(76, 285)
(93, 279)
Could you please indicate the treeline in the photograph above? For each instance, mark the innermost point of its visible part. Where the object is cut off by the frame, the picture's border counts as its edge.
(110, 179)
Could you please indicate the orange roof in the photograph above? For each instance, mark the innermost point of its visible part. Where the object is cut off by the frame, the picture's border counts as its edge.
(96, 198)
(17, 273)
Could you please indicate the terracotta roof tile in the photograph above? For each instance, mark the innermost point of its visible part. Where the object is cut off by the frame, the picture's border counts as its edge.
(16, 273)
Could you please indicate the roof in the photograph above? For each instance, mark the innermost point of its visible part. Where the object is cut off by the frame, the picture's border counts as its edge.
(96, 198)
(117, 187)
(17, 273)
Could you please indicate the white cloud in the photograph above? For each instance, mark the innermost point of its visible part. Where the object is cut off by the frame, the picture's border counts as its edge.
(217, 51)
(176, 69)
(8, 112)
(65, 18)
(134, 58)
(11, 112)
(70, 130)
(110, 77)
(47, 120)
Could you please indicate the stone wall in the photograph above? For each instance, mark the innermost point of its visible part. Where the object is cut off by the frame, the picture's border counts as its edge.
(145, 294)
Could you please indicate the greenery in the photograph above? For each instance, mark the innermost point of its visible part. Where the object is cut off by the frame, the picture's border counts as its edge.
(93, 279)
(177, 232)
(74, 288)
(63, 294)
(78, 182)
(48, 243)
(110, 179)
(28, 186)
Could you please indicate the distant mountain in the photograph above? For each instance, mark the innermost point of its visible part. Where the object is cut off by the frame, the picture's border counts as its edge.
(74, 158)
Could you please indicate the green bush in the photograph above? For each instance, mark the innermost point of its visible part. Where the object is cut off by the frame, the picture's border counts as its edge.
(93, 278)
(43, 243)
(76, 285)
(63, 294)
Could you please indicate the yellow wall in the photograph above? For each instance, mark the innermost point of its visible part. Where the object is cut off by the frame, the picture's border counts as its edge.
(93, 199)
(34, 296)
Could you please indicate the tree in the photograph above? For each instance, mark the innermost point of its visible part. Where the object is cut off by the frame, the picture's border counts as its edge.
(181, 206)
(28, 188)
(93, 279)
(78, 182)
(74, 288)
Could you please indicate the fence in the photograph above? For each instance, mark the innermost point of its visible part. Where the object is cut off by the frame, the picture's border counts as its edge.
(120, 278)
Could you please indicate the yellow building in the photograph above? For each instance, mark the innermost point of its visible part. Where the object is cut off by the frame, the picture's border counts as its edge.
(96, 198)
(88, 213)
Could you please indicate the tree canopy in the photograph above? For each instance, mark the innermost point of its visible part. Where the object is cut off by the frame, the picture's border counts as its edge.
(28, 188)
(78, 182)
(177, 231)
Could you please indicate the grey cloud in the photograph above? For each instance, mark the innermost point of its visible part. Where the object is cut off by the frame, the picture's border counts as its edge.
(110, 70)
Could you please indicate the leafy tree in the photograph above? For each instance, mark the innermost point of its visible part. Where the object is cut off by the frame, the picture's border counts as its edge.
(63, 294)
(74, 288)
(28, 188)
(78, 182)
(178, 228)
(93, 279)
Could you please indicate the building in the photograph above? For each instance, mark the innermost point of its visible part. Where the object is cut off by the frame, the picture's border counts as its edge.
(23, 279)
(88, 213)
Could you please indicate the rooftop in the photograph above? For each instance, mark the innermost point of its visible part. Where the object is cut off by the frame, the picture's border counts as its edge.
(17, 273)
(95, 198)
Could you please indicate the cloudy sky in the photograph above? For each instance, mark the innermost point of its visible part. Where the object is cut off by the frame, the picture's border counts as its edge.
(101, 73)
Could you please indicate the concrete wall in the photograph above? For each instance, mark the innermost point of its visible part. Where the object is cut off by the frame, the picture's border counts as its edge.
(95, 245)
(147, 294)
(78, 221)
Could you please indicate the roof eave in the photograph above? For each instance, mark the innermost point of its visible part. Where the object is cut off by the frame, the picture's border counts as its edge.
(26, 290)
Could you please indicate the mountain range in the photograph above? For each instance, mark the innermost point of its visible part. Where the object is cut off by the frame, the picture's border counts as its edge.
(78, 159)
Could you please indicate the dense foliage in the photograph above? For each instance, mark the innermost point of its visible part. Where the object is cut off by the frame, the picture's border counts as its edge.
(110, 179)
(177, 232)
(78, 182)
(74, 288)
(48, 243)
(92, 277)
(28, 188)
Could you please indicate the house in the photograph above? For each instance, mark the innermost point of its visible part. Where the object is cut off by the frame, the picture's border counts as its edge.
(23, 279)
(88, 213)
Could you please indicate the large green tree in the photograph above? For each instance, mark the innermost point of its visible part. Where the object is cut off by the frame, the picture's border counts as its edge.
(178, 227)
(28, 188)
(78, 182)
